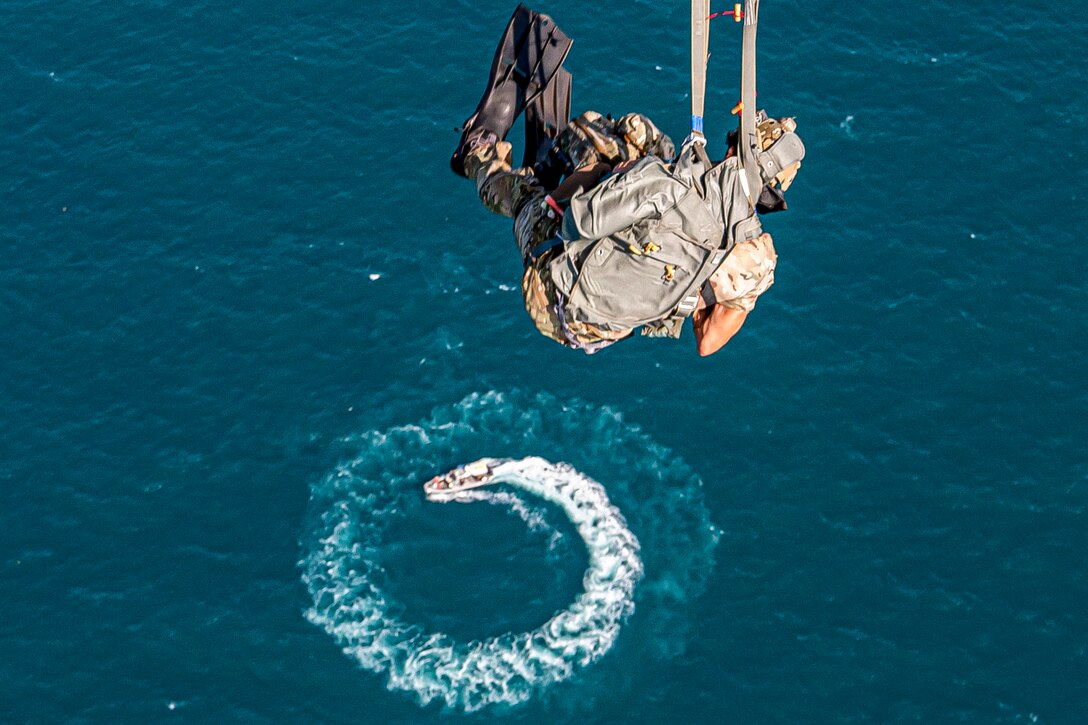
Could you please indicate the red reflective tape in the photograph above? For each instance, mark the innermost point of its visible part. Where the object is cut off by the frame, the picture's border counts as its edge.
(554, 205)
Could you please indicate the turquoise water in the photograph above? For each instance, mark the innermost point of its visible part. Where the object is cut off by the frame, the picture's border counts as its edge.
(235, 264)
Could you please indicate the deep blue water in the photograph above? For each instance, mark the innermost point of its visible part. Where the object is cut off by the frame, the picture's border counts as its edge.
(234, 258)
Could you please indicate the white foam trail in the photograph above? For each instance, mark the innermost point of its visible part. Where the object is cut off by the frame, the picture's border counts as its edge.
(507, 669)
(354, 505)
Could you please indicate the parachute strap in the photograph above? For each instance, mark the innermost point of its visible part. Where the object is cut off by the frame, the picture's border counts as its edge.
(674, 323)
(701, 155)
(688, 304)
(748, 143)
(700, 46)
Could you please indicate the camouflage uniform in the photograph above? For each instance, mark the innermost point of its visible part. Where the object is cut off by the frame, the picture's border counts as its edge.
(517, 193)
(745, 274)
(591, 138)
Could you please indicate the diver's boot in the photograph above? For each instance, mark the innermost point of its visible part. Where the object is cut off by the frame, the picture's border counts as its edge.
(474, 141)
(502, 189)
(530, 53)
(489, 124)
(481, 150)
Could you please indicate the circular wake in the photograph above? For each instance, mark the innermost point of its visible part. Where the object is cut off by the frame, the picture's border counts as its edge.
(354, 505)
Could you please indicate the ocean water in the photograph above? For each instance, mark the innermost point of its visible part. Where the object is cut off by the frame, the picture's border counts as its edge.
(245, 310)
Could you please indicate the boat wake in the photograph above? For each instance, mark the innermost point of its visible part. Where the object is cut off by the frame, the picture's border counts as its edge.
(354, 505)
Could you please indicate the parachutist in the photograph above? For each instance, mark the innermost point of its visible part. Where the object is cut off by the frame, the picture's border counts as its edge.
(617, 231)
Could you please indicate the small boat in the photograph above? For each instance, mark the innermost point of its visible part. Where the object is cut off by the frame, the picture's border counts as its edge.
(473, 475)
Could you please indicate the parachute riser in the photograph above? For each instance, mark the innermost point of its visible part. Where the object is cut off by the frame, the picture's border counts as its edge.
(748, 142)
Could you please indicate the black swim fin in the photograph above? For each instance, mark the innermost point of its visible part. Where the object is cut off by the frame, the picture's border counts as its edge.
(547, 116)
(545, 119)
(530, 54)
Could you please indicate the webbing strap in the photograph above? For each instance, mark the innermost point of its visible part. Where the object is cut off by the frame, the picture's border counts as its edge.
(700, 45)
(547, 245)
(688, 304)
(707, 293)
(748, 145)
(682, 312)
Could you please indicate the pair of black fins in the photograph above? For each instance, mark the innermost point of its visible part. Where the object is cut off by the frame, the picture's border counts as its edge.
(527, 76)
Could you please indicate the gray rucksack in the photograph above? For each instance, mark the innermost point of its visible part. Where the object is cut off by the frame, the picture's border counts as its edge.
(640, 246)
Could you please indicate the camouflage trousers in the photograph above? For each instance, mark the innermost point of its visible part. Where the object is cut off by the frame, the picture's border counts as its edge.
(592, 137)
(516, 193)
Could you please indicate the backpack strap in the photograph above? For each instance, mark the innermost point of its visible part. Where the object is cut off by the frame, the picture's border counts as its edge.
(671, 326)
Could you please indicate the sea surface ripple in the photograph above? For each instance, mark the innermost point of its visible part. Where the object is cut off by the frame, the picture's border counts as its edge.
(232, 247)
